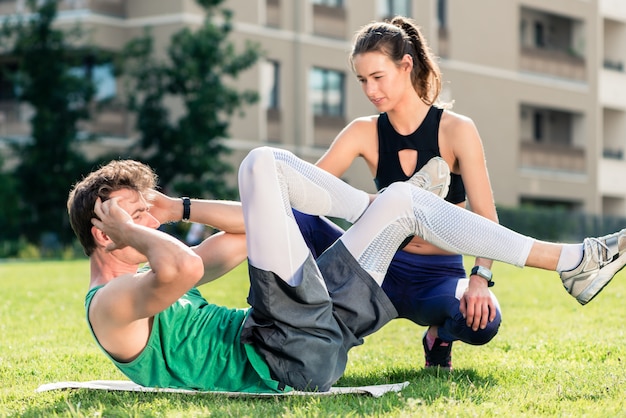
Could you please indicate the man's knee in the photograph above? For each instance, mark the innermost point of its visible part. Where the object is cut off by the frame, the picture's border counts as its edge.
(258, 160)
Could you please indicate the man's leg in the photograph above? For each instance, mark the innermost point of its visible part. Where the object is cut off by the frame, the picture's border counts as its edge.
(292, 322)
(406, 210)
(460, 231)
(272, 181)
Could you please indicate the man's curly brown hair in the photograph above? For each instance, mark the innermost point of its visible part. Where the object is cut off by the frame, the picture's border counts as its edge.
(116, 175)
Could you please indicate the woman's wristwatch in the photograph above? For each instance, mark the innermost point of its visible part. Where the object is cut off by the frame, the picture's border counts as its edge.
(483, 272)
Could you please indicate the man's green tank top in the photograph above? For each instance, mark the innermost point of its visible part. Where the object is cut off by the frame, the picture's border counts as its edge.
(196, 345)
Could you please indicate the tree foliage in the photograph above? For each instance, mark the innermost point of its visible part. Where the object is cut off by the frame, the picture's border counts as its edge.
(187, 152)
(49, 163)
(9, 210)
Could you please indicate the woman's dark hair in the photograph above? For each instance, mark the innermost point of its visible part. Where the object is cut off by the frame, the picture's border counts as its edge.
(395, 39)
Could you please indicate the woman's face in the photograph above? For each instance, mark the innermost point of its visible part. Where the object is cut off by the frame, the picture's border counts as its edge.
(383, 82)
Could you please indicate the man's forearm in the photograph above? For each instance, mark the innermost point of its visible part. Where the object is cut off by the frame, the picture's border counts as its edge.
(224, 215)
(166, 255)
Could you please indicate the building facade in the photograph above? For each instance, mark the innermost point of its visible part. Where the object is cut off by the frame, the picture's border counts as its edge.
(544, 82)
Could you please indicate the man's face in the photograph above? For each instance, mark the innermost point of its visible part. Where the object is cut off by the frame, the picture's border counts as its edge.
(138, 208)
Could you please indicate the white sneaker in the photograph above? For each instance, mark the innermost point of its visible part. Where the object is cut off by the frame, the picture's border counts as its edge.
(434, 177)
(603, 257)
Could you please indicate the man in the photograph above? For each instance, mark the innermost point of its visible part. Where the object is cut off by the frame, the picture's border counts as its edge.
(306, 314)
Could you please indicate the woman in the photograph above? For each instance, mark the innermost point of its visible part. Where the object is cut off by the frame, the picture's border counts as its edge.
(427, 285)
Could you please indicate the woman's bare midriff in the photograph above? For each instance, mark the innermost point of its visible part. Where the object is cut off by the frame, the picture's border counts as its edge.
(422, 247)
(419, 246)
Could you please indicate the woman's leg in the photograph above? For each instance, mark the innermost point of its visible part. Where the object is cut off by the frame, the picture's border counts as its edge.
(319, 233)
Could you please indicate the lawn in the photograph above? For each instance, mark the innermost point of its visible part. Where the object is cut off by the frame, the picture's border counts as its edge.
(552, 357)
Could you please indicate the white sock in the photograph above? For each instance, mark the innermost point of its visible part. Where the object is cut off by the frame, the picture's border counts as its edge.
(570, 257)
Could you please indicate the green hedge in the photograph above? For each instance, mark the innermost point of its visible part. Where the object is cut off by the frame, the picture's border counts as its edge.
(558, 224)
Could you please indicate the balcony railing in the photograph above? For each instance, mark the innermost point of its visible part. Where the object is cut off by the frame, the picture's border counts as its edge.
(554, 62)
(326, 129)
(552, 157)
(109, 120)
(106, 7)
(329, 21)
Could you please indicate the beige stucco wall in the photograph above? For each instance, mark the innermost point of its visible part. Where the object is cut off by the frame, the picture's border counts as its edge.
(483, 71)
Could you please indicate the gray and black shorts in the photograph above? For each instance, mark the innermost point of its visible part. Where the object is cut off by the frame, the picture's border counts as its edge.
(305, 332)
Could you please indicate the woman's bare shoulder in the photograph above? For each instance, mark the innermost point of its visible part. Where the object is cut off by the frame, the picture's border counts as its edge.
(455, 124)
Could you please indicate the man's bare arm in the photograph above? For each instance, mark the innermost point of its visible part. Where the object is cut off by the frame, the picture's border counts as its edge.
(221, 253)
(175, 268)
(224, 215)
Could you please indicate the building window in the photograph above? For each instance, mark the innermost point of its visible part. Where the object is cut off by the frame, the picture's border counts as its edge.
(523, 33)
(102, 77)
(327, 88)
(9, 85)
(538, 126)
(540, 37)
(442, 13)
(550, 126)
(270, 82)
(390, 8)
(104, 81)
(329, 3)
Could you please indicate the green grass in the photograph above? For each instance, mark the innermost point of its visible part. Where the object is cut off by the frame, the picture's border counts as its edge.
(552, 357)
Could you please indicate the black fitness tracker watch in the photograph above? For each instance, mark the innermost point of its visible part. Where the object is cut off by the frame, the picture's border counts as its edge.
(483, 272)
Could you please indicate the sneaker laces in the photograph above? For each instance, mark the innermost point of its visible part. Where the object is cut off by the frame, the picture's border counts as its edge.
(597, 254)
(419, 180)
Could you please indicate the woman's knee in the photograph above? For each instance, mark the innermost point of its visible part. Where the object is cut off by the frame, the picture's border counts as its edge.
(485, 335)
(456, 329)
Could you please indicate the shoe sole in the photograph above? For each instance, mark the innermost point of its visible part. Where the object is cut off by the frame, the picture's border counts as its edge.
(601, 280)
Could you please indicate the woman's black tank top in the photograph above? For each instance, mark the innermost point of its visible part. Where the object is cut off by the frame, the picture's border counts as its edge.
(425, 140)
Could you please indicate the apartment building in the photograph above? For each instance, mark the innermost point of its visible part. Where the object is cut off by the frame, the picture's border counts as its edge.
(543, 81)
